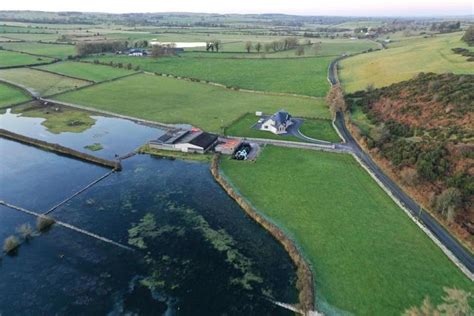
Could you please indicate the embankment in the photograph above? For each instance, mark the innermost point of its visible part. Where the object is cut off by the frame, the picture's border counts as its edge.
(304, 283)
(61, 150)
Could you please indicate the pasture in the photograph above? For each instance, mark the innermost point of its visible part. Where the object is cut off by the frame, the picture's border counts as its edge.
(41, 82)
(10, 95)
(177, 101)
(86, 71)
(368, 257)
(403, 60)
(304, 76)
(51, 50)
(8, 58)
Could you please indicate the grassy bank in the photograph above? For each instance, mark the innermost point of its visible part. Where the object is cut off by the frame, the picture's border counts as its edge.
(146, 149)
(368, 257)
(58, 119)
(10, 95)
(305, 76)
(403, 60)
(87, 71)
(177, 101)
(40, 81)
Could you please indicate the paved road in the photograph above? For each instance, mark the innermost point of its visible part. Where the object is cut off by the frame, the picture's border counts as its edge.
(462, 254)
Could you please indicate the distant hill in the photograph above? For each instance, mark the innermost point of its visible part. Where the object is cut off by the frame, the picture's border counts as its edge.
(422, 130)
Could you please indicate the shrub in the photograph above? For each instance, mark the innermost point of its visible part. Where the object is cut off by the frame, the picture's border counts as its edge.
(43, 223)
(10, 244)
(26, 231)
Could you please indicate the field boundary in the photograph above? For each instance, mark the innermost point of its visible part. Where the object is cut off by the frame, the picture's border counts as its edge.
(59, 74)
(305, 282)
(29, 91)
(115, 165)
(31, 54)
(216, 84)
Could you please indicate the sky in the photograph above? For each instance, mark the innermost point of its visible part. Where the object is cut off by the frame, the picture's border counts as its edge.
(300, 7)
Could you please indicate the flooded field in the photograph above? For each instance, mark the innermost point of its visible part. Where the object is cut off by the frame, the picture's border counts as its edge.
(194, 250)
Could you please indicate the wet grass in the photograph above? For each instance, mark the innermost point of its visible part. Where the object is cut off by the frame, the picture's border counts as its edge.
(176, 101)
(368, 257)
(10, 95)
(94, 147)
(59, 119)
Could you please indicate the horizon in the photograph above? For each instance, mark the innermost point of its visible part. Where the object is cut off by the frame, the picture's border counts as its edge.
(343, 8)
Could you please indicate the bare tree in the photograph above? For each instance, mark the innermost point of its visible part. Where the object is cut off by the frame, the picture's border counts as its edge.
(248, 46)
(258, 47)
(299, 50)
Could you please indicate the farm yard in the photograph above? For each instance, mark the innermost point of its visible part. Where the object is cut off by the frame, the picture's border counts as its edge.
(304, 76)
(86, 71)
(368, 257)
(41, 82)
(9, 59)
(170, 100)
(10, 95)
(403, 60)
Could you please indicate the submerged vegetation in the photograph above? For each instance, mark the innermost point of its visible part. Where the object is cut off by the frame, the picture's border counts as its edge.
(11, 244)
(94, 147)
(44, 223)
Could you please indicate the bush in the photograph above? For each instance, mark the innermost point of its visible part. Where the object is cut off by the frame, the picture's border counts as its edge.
(26, 231)
(10, 244)
(43, 223)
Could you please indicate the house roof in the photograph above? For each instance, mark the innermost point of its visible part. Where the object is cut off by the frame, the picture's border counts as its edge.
(204, 140)
(171, 137)
(280, 117)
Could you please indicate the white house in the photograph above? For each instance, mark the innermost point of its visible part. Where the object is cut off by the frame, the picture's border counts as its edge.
(277, 123)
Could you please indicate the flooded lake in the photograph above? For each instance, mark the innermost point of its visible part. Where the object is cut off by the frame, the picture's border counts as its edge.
(195, 252)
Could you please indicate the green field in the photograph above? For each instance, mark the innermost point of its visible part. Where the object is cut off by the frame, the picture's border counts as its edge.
(10, 95)
(305, 76)
(368, 257)
(8, 58)
(404, 60)
(177, 101)
(316, 128)
(42, 82)
(87, 71)
(50, 50)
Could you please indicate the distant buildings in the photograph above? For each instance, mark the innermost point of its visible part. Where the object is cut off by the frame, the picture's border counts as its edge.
(277, 123)
(137, 52)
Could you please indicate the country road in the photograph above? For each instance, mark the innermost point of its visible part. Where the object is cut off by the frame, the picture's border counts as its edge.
(444, 237)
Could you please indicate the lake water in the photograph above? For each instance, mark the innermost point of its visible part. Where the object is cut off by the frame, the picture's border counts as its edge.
(117, 136)
(195, 251)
